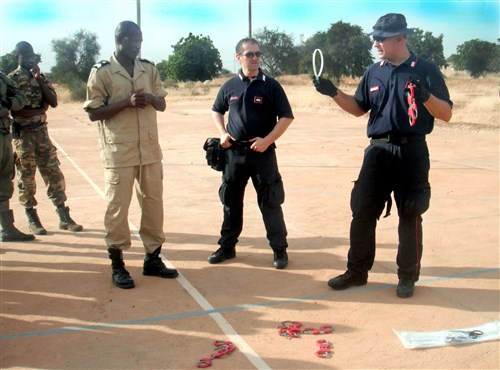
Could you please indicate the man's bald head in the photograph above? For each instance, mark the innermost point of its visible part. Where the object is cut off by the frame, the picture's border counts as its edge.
(126, 28)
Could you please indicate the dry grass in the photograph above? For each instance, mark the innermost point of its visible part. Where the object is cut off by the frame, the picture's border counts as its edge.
(476, 101)
(63, 94)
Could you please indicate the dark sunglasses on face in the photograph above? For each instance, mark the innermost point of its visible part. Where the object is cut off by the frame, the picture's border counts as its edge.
(379, 39)
(251, 54)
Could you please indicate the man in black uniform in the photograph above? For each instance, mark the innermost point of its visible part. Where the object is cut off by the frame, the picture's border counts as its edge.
(259, 113)
(397, 159)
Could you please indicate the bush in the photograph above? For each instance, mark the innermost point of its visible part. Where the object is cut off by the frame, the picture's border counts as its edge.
(169, 83)
(76, 87)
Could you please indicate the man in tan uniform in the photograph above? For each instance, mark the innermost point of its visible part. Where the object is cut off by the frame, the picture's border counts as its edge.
(123, 96)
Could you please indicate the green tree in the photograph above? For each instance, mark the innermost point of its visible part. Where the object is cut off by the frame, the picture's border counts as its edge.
(194, 58)
(162, 69)
(75, 57)
(427, 46)
(280, 55)
(345, 48)
(8, 62)
(477, 57)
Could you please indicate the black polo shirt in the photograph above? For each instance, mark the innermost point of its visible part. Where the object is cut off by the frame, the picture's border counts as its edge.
(381, 91)
(254, 106)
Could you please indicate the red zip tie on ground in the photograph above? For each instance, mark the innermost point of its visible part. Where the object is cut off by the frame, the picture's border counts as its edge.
(222, 348)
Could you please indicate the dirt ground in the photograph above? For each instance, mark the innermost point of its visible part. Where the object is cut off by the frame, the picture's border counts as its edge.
(59, 309)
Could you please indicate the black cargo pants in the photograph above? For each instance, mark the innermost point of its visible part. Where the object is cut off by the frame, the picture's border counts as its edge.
(242, 163)
(401, 167)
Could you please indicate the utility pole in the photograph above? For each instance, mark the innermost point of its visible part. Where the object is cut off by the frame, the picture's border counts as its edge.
(139, 13)
(139, 18)
(249, 18)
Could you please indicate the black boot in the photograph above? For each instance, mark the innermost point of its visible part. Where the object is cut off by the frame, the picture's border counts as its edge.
(66, 222)
(9, 232)
(154, 266)
(34, 223)
(280, 258)
(121, 278)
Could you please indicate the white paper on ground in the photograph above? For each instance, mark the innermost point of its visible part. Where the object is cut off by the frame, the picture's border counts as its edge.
(481, 333)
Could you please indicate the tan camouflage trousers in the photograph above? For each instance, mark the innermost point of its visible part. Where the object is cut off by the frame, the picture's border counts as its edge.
(34, 149)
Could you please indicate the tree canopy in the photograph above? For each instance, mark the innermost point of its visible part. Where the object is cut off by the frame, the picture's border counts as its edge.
(425, 45)
(280, 56)
(477, 57)
(75, 57)
(194, 58)
(346, 50)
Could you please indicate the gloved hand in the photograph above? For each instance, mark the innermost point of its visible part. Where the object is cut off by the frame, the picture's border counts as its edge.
(421, 93)
(325, 87)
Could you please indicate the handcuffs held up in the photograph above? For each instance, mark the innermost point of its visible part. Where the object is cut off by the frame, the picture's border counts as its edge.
(316, 73)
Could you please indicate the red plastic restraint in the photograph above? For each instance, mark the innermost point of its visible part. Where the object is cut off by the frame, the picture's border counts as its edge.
(412, 104)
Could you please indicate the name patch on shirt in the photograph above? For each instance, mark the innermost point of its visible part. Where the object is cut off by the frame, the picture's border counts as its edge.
(258, 100)
(234, 98)
(374, 88)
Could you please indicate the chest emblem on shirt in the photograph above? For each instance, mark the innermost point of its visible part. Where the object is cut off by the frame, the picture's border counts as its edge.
(374, 88)
(234, 98)
(258, 99)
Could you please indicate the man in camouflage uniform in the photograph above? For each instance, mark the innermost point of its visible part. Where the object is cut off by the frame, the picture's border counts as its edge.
(11, 98)
(32, 143)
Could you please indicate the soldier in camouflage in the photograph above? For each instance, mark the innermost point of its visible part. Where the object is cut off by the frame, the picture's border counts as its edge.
(32, 143)
(11, 98)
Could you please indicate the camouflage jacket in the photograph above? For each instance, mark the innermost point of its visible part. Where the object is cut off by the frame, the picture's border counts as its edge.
(9, 91)
(33, 93)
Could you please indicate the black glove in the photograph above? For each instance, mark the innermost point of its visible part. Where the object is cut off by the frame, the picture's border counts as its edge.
(421, 93)
(325, 87)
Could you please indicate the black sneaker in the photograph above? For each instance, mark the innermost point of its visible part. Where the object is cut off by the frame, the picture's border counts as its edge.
(280, 259)
(221, 254)
(405, 288)
(347, 280)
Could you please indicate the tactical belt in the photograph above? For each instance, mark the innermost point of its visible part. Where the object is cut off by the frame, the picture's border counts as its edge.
(240, 144)
(244, 145)
(395, 139)
(31, 126)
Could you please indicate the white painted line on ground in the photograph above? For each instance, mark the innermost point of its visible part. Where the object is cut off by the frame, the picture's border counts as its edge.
(225, 326)
(82, 172)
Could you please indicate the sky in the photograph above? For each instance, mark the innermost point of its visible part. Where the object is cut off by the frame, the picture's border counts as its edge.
(165, 22)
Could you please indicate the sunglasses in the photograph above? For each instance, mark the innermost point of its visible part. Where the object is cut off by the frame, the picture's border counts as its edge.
(379, 38)
(251, 54)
